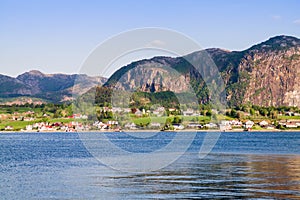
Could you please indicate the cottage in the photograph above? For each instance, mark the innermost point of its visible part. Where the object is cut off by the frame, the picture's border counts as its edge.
(79, 116)
(138, 113)
(130, 126)
(291, 124)
(249, 124)
(28, 119)
(236, 123)
(194, 125)
(172, 109)
(100, 125)
(159, 111)
(8, 128)
(29, 127)
(263, 123)
(225, 125)
(188, 112)
(282, 122)
(289, 113)
(211, 125)
(270, 127)
(225, 122)
(178, 126)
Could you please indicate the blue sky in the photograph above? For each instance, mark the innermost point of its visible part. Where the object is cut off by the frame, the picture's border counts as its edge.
(57, 35)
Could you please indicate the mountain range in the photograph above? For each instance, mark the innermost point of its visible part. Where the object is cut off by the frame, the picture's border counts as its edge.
(56, 88)
(266, 74)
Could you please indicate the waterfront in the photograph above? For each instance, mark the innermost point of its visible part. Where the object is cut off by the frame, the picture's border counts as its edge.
(241, 165)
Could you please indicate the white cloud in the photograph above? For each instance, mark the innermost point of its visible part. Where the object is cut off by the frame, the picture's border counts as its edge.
(297, 21)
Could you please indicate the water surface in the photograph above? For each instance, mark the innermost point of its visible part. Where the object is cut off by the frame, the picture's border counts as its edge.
(241, 166)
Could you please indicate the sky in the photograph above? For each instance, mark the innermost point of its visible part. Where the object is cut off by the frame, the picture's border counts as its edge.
(58, 35)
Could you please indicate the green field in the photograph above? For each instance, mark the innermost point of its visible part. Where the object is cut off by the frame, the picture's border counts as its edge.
(162, 120)
(17, 125)
(288, 117)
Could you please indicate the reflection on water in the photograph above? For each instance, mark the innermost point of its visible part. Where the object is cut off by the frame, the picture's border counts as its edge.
(276, 175)
(57, 166)
(218, 176)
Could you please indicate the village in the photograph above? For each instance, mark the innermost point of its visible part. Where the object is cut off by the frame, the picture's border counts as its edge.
(157, 119)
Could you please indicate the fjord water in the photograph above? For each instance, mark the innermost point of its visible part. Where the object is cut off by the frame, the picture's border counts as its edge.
(242, 165)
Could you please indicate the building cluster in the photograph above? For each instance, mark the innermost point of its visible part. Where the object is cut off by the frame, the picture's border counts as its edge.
(76, 125)
(158, 112)
(290, 123)
(106, 126)
(224, 125)
(57, 126)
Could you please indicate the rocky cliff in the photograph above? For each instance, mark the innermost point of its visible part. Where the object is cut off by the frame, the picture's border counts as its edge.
(272, 72)
(266, 74)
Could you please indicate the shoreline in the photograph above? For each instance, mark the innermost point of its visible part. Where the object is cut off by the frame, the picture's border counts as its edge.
(137, 131)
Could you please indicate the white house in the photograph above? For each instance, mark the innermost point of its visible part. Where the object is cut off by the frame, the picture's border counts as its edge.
(291, 124)
(211, 125)
(178, 127)
(236, 123)
(138, 113)
(188, 112)
(29, 127)
(194, 125)
(225, 125)
(263, 123)
(9, 128)
(249, 124)
(130, 126)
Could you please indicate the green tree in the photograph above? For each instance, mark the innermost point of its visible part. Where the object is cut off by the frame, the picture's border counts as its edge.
(252, 111)
(177, 120)
(263, 112)
(233, 113)
(208, 113)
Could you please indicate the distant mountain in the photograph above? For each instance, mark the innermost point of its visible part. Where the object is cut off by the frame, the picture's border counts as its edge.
(50, 87)
(266, 74)
(10, 86)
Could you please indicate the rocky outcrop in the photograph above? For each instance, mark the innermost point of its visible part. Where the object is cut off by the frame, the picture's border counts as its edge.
(266, 74)
(273, 76)
(153, 77)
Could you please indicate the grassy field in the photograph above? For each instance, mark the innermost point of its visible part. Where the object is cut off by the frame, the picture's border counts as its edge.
(258, 128)
(288, 117)
(17, 125)
(162, 120)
